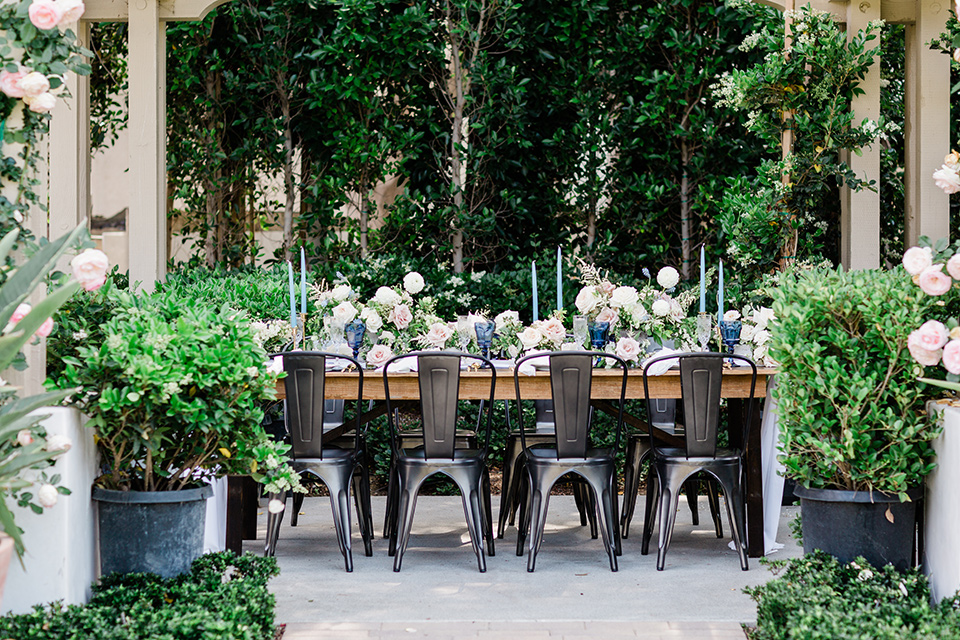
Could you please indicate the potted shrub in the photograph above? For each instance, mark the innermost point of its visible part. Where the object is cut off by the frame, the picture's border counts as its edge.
(853, 431)
(174, 391)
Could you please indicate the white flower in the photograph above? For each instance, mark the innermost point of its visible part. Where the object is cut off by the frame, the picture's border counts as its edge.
(47, 495)
(344, 312)
(731, 316)
(624, 297)
(507, 318)
(761, 337)
(378, 355)
(916, 259)
(438, 335)
(413, 282)
(90, 268)
(373, 320)
(252, 372)
(587, 300)
(660, 308)
(43, 103)
(945, 177)
(762, 317)
(628, 349)
(668, 277)
(341, 292)
(276, 365)
(387, 337)
(24, 437)
(58, 442)
(275, 506)
(637, 313)
(34, 84)
(387, 297)
(530, 337)
(72, 10)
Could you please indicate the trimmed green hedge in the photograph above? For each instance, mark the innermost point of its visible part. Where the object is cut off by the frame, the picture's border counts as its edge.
(224, 597)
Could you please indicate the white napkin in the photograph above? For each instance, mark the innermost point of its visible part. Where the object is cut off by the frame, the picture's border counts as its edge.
(528, 368)
(664, 365)
(403, 365)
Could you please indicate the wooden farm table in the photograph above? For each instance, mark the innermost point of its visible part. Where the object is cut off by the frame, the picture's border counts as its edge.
(475, 385)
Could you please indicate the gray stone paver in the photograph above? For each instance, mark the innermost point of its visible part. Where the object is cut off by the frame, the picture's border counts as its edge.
(505, 630)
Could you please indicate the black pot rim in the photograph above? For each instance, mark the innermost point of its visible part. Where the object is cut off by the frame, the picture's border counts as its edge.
(841, 495)
(152, 497)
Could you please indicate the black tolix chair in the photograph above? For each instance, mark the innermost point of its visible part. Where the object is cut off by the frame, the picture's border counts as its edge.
(436, 452)
(701, 379)
(337, 467)
(569, 451)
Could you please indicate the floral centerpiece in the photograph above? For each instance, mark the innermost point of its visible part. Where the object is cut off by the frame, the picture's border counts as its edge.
(755, 332)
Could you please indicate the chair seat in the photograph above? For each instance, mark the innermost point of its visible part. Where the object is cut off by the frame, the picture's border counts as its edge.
(330, 456)
(677, 453)
(536, 454)
(419, 455)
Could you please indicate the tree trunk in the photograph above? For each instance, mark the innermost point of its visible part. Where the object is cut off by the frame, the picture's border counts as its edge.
(686, 250)
(459, 88)
(288, 182)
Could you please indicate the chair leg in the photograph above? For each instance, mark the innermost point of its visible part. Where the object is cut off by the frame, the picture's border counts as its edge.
(542, 480)
(297, 505)
(713, 498)
(361, 499)
(579, 501)
(650, 510)
(392, 497)
(485, 492)
(600, 482)
(728, 478)
(586, 505)
(691, 488)
(338, 485)
(672, 480)
(273, 524)
(469, 483)
(523, 524)
(409, 487)
(636, 452)
(509, 483)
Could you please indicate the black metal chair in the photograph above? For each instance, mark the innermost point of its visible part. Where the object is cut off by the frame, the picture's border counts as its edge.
(340, 469)
(701, 380)
(437, 451)
(570, 452)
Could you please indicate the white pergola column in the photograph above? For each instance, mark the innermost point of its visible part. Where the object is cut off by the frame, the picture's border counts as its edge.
(927, 124)
(860, 210)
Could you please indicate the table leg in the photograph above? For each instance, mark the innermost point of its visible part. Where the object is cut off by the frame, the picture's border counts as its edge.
(753, 472)
(234, 541)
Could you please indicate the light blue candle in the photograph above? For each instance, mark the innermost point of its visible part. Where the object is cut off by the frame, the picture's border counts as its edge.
(720, 295)
(303, 282)
(536, 302)
(703, 282)
(559, 282)
(293, 303)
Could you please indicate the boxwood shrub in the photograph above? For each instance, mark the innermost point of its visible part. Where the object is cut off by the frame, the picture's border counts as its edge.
(224, 597)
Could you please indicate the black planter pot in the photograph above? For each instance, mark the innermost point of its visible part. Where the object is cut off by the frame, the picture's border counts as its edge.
(847, 524)
(151, 531)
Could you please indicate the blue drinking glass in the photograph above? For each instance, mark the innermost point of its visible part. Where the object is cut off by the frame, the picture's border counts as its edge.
(598, 336)
(730, 333)
(485, 335)
(355, 329)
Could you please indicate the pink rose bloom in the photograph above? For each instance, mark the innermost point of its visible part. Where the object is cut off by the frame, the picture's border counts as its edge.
(947, 179)
(607, 288)
(934, 282)
(10, 83)
(72, 10)
(916, 259)
(951, 357)
(923, 356)
(90, 268)
(45, 328)
(34, 83)
(43, 103)
(378, 355)
(24, 437)
(953, 266)
(530, 337)
(438, 335)
(553, 330)
(45, 14)
(628, 349)
(400, 316)
(931, 335)
(608, 315)
(19, 313)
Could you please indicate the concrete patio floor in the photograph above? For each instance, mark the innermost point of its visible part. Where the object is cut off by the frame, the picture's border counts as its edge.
(441, 594)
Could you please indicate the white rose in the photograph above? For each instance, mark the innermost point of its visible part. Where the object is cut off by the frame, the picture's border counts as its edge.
(413, 282)
(668, 277)
(945, 177)
(47, 495)
(473, 319)
(637, 313)
(587, 300)
(378, 355)
(400, 316)
(43, 103)
(387, 337)
(747, 333)
(58, 442)
(513, 351)
(761, 337)
(24, 437)
(34, 84)
(275, 506)
(731, 316)
(438, 335)
(341, 292)
(676, 311)
(90, 268)
(72, 10)
(916, 259)
(762, 317)
(628, 349)
(623, 297)
(344, 312)
(506, 318)
(387, 296)
(530, 337)
(276, 365)
(554, 331)
(372, 319)
(660, 308)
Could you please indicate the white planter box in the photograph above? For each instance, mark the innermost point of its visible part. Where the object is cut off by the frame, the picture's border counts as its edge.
(60, 559)
(941, 542)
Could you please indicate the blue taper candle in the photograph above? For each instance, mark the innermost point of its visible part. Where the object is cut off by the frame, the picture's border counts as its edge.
(703, 282)
(303, 282)
(720, 295)
(559, 282)
(293, 303)
(536, 302)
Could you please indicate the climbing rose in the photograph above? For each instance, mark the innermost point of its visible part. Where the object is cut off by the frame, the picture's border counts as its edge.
(10, 83)
(90, 268)
(45, 14)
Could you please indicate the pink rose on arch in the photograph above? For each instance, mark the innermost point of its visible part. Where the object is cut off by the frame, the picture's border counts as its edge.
(45, 14)
(923, 356)
(947, 179)
(400, 316)
(72, 10)
(10, 83)
(934, 282)
(34, 84)
(953, 266)
(608, 315)
(45, 328)
(378, 355)
(916, 259)
(19, 313)
(43, 103)
(90, 268)
(951, 357)
(931, 335)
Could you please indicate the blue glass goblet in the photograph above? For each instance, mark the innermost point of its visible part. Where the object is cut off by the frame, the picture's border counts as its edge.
(730, 333)
(485, 331)
(355, 329)
(598, 336)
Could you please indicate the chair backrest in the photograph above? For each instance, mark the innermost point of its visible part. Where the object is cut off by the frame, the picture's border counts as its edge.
(571, 381)
(438, 377)
(701, 386)
(305, 389)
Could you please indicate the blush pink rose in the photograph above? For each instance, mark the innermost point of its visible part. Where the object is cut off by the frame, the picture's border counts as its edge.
(10, 83)
(608, 315)
(378, 355)
(438, 335)
(43, 103)
(951, 357)
(45, 328)
(916, 259)
(923, 356)
(400, 316)
(931, 335)
(90, 268)
(953, 266)
(947, 179)
(553, 330)
(628, 349)
(45, 14)
(72, 10)
(19, 313)
(934, 282)
(34, 83)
